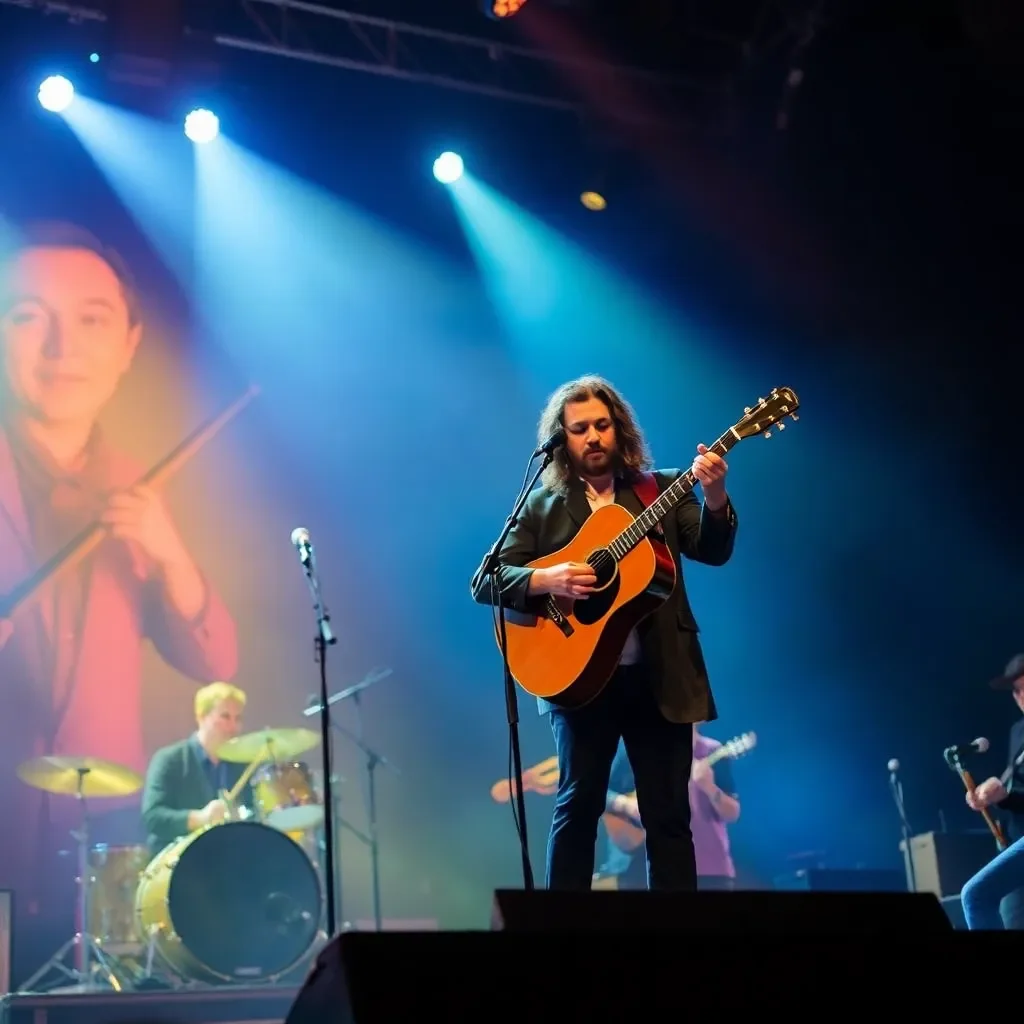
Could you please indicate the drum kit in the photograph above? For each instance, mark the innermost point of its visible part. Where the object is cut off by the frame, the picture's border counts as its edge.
(238, 901)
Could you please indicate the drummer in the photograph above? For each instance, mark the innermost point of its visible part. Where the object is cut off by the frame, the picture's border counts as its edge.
(186, 781)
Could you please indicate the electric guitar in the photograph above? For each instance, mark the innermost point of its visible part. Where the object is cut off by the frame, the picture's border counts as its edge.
(541, 778)
(628, 836)
(567, 654)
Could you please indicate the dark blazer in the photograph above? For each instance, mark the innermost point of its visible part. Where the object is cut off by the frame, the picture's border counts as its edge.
(176, 783)
(668, 638)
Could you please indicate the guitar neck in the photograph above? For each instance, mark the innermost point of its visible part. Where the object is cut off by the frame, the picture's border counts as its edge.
(669, 498)
(993, 826)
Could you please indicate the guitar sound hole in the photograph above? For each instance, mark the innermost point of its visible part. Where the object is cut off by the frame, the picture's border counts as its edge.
(603, 564)
(596, 607)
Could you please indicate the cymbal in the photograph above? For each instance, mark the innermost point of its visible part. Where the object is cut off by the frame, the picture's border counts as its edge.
(268, 744)
(61, 775)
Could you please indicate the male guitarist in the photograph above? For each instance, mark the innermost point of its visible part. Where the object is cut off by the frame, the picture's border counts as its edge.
(994, 897)
(714, 805)
(660, 686)
(184, 780)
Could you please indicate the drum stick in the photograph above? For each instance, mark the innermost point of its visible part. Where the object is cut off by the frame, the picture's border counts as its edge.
(245, 777)
(81, 546)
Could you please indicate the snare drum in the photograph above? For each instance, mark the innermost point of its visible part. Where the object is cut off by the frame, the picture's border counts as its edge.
(114, 873)
(233, 902)
(285, 797)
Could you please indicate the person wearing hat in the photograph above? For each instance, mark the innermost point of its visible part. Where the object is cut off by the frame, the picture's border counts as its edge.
(994, 898)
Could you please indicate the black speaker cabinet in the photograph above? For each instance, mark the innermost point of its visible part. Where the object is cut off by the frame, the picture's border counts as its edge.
(717, 913)
(616, 956)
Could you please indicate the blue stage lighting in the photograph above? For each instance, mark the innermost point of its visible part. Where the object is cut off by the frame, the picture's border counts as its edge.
(202, 126)
(448, 168)
(56, 94)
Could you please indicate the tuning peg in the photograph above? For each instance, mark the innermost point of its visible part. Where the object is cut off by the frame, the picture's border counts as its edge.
(767, 433)
(760, 401)
(747, 409)
(782, 426)
(794, 417)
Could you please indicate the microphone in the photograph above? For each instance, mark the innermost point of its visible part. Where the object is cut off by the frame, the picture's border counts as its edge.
(302, 544)
(977, 746)
(893, 765)
(556, 440)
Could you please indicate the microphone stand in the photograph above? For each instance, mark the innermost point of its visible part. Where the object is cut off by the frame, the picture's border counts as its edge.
(488, 570)
(373, 760)
(897, 794)
(324, 638)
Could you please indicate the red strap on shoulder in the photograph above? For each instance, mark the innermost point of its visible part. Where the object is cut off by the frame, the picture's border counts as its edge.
(646, 489)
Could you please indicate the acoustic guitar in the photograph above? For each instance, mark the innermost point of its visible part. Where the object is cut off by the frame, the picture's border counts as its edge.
(568, 653)
(628, 836)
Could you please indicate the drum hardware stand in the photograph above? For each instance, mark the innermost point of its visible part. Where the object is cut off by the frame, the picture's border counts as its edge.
(373, 760)
(324, 638)
(86, 946)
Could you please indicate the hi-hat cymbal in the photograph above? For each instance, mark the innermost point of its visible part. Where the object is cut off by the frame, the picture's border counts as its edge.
(268, 744)
(64, 775)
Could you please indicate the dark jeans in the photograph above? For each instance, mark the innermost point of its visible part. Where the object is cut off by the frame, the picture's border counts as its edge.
(635, 877)
(660, 753)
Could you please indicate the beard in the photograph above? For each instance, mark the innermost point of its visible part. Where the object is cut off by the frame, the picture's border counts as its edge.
(598, 463)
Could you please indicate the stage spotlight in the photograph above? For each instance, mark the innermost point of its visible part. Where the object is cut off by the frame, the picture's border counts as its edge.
(56, 94)
(448, 168)
(593, 200)
(202, 126)
(498, 9)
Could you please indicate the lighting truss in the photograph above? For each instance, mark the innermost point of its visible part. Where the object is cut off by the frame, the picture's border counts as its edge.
(719, 43)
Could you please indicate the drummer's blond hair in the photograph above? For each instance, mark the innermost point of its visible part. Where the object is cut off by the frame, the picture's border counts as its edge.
(213, 694)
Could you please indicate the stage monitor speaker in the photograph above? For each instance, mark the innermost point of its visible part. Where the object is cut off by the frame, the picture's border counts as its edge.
(598, 976)
(716, 913)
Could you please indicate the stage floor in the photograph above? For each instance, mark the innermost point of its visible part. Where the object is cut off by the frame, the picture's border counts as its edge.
(229, 1005)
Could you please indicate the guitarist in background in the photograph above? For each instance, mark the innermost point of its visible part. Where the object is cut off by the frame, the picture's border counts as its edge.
(661, 686)
(714, 805)
(994, 897)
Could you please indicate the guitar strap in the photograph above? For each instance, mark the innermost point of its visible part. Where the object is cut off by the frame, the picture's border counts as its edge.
(645, 487)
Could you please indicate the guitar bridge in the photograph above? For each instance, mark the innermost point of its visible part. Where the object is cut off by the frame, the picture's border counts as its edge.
(557, 616)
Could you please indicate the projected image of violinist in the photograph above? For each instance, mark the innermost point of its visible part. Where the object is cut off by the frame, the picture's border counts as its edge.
(71, 658)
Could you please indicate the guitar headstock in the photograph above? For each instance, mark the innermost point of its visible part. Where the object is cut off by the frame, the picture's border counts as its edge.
(740, 745)
(780, 405)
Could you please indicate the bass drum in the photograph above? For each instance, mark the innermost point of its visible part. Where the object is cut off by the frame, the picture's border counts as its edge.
(238, 901)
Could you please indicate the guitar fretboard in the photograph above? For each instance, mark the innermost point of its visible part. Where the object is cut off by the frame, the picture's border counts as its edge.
(669, 498)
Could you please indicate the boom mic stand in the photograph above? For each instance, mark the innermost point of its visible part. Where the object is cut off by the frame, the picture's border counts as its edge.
(324, 638)
(896, 788)
(373, 760)
(488, 571)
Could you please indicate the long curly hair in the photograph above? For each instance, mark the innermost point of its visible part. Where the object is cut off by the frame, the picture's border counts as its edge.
(633, 456)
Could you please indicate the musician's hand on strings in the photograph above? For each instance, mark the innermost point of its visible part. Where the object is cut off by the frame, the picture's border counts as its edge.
(702, 775)
(570, 579)
(710, 470)
(140, 516)
(991, 791)
(6, 632)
